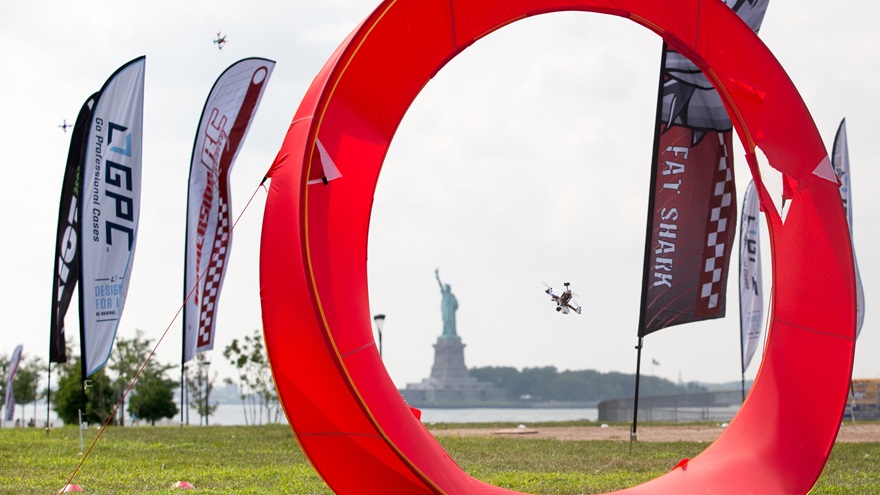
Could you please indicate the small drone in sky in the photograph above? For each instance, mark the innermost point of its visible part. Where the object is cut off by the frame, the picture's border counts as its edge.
(65, 125)
(564, 302)
(221, 40)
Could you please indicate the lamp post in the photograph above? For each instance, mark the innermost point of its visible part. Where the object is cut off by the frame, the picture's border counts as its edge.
(203, 368)
(380, 322)
(206, 364)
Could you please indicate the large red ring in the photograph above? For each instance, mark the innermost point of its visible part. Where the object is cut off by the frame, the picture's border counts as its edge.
(347, 414)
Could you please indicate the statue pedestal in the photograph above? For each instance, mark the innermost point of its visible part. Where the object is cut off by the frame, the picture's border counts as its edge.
(449, 367)
(450, 385)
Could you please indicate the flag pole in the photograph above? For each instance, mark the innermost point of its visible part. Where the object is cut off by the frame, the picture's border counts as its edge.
(186, 296)
(81, 297)
(187, 293)
(48, 394)
(633, 432)
(82, 340)
(182, 371)
(649, 230)
(742, 342)
(852, 401)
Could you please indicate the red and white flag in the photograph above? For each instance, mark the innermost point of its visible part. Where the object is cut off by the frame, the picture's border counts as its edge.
(225, 121)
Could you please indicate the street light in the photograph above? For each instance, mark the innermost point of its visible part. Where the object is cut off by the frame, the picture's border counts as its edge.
(205, 364)
(380, 321)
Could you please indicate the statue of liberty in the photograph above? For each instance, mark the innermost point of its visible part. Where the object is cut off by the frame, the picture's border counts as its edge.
(448, 306)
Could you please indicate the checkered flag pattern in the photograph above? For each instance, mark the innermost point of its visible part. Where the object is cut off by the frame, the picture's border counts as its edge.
(214, 276)
(721, 214)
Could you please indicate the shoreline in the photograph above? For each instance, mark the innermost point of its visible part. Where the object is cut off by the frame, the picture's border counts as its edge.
(849, 433)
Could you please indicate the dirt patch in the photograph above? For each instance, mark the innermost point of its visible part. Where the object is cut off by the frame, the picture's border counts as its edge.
(861, 432)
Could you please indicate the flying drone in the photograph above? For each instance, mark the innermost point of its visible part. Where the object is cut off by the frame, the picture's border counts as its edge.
(564, 302)
(221, 40)
(65, 125)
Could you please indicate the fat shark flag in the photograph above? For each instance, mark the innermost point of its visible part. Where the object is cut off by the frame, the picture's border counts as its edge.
(110, 199)
(226, 118)
(692, 207)
(66, 274)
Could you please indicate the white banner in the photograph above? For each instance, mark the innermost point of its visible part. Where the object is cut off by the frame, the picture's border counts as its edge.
(225, 121)
(9, 397)
(111, 208)
(840, 160)
(751, 289)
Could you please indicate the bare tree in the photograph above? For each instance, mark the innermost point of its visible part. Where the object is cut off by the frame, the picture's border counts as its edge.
(200, 383)
(255, 384)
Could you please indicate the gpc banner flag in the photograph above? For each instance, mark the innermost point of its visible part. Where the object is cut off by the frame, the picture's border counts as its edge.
(111, 192)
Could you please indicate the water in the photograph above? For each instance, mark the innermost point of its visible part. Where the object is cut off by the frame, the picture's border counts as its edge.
(523, 416)
(232, 414)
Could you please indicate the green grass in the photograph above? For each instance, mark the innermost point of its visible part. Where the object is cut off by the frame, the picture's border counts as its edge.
(267, 460)
(241, 460)
(564, 467)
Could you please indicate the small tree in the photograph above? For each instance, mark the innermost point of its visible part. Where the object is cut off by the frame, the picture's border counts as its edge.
(4, 369)
(127, 359)
(254, 375)
(200, 384)
(25, 385)
(235, 355)
(69, 396)
(4, 373)
(153, 398)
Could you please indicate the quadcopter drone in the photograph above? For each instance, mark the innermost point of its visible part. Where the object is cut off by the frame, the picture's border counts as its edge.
(221, 40)
(564, 302)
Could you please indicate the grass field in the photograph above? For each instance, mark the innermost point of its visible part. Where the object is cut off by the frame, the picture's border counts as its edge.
(267, 460)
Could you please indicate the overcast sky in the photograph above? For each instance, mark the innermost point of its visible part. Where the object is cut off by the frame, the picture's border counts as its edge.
(526, 160)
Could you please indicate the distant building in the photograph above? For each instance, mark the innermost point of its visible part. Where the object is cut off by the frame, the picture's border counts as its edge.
(864, 400)
(707, 406)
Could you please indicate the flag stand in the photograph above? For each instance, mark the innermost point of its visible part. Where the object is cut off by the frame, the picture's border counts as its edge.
(182, 384)
(633, 436)
(80, 413)
(852, 402)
